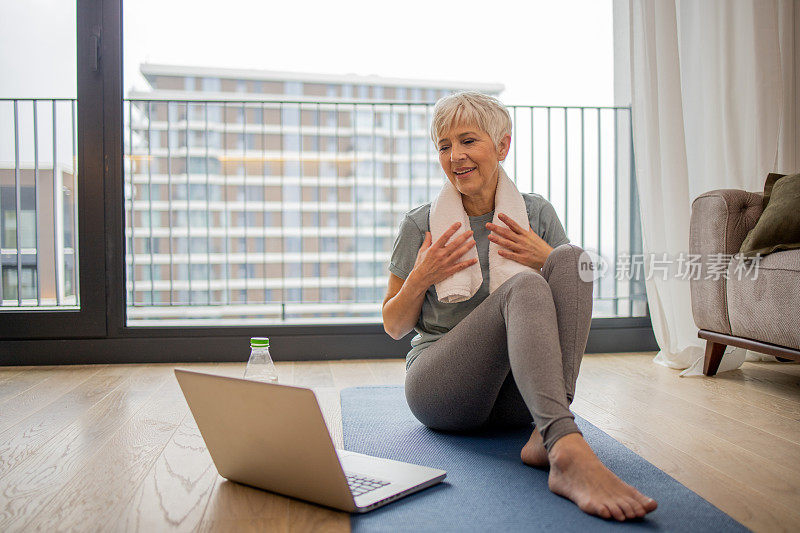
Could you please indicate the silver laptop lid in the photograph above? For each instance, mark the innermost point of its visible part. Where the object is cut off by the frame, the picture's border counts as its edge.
(289, 451)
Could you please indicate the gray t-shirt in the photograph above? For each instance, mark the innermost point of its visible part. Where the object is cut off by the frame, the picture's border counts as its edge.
(437, 318)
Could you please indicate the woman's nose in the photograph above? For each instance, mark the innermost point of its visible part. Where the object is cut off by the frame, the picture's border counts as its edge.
(456, 154)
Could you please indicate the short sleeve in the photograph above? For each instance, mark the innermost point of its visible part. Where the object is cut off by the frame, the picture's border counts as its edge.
(406, 245)
(550, 226)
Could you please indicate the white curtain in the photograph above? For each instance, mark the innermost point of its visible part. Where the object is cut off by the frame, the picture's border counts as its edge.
(713, 95)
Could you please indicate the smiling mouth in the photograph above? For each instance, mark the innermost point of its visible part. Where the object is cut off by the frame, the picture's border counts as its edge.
(463, 172)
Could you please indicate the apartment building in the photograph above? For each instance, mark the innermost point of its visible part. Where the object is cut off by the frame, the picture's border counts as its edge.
(37, 237)
(258, 196)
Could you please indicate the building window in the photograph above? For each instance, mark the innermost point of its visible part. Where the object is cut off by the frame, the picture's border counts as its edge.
(214, 112)
(290, 116)
(212, 84)
(291, 143)
(293, 88)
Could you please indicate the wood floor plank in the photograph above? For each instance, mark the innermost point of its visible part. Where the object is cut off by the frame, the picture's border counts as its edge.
(96, 495)
(285, 372)
(313, 374)
(352, 373)
(785, 367)
(733, 496)
(697, 417)
(728, 404)
(24, 438)
(232, 505)
(29, 487)
(769, 479)
(176, 490)
(42, 394)
(389, 371)
(329, 402)
(718, 390)
(305, 517)
(9, 373)
(21, 380)
(771, 381)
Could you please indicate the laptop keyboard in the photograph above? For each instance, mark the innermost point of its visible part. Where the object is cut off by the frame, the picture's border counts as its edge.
(362, 484)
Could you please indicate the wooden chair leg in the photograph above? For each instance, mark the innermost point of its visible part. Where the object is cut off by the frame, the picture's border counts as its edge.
(714, 353)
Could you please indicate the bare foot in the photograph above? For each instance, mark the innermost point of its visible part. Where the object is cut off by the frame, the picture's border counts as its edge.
(533, 453)
(577, 474)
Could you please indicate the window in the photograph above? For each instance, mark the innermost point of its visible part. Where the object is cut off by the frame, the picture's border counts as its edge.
(328, 244)
(212, 85)
(291, 142)
(364, 120)
(291, 193)
(291, 219)
(214, 113)
(290, 116)
(294, 88)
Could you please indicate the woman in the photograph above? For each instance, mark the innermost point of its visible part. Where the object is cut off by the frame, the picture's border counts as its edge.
(510, 357)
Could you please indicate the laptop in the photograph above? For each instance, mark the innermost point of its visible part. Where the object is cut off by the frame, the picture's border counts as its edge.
(273, 437)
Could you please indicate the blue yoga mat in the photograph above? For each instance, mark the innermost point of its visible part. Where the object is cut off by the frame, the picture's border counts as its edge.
(487, 487)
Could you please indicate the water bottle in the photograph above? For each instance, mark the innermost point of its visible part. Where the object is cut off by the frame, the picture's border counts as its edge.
(260, 366)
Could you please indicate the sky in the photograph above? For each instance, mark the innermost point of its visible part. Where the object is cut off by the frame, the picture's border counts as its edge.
(544, 52)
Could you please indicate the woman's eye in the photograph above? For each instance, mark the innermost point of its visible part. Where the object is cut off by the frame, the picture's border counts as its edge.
(469, 141)
(443, 148)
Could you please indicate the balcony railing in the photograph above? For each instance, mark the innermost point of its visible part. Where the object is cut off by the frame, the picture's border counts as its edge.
(284, 211)
(38, 204)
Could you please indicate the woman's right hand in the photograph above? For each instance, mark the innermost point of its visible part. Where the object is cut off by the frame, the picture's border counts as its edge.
(440, 260)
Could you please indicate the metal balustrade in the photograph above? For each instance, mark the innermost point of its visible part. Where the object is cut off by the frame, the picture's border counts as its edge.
(254, 211)
(38, 205)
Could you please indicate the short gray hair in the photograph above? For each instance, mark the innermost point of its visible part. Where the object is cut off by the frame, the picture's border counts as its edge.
(471, 107)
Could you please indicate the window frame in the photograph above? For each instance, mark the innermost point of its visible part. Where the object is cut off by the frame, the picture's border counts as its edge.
(92, 88)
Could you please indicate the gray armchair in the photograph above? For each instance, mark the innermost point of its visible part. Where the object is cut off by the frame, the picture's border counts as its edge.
(758, 310)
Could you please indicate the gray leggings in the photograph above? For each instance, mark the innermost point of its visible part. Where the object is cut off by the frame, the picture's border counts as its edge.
(515, 355)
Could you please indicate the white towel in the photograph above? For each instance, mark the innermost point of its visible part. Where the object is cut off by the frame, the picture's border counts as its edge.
(448, 209)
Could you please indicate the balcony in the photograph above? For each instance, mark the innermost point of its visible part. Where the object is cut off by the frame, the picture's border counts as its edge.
(276, 211)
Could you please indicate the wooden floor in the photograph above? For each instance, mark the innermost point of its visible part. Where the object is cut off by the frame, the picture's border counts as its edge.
(115, 448)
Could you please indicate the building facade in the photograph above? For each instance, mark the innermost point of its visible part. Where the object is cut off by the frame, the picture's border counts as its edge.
(268, 197)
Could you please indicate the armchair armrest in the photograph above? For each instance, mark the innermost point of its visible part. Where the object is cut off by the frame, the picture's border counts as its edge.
(719, 223)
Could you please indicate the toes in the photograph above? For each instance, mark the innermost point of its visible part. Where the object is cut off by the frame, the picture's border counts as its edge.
(616, 512)
(638, 508)
(649, 504)
(602, 511)
(627, 508)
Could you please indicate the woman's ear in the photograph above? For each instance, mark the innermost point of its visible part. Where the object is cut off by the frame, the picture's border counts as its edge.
(503, 147)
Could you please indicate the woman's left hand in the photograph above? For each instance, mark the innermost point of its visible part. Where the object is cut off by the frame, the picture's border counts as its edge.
(521, 245)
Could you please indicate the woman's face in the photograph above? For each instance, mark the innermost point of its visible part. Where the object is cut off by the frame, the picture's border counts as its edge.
(470, 159)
